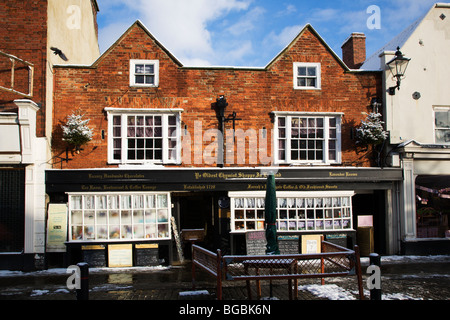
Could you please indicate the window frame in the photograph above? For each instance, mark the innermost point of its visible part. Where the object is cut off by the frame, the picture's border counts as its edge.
(326, 139)
(318, 75)
(436, 128)
(124, 113)
(285, 223)
(134, 62)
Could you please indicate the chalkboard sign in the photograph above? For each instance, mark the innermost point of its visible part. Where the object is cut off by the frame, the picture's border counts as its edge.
(94, 255)
(256, 242)
(337, 238)
(288, 244)
(146, 254)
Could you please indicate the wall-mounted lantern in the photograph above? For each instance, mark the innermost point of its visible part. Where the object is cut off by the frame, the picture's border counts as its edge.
(398, 67)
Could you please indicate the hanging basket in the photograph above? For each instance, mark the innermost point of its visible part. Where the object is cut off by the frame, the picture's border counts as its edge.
(371, 131)
(76, 132)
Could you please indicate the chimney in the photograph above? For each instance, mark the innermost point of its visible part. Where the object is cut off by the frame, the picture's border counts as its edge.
(354, 50)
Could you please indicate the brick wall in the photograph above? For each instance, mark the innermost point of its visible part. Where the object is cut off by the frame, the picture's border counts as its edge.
(252, 94)
(23, 26)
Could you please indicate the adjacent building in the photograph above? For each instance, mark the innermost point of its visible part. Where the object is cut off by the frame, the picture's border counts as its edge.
(417, 116)
(35, 36)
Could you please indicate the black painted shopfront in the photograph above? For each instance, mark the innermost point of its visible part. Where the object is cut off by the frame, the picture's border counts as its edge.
(125, 216)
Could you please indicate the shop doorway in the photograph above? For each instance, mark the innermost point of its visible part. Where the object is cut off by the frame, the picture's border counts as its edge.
(12, 210)
(433, 206)
(195, 211)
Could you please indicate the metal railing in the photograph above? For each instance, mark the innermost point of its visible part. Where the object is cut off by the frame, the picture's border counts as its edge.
(333, 261)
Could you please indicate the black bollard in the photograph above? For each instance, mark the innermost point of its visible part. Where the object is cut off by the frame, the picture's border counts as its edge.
(375, 260)
(83, 292)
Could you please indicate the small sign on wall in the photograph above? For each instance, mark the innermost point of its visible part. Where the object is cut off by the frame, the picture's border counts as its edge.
(56, 227)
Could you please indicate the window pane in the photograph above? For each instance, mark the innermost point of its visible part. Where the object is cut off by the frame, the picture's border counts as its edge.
(139, 68)
(149, 68)
(311, 71)
(172, 120)
(443, 119)
(117, 120)
(139, 79)
(442, 136)
(301, 82)
(332, 122)
(149, 79)
(302, 71)
(332, 133)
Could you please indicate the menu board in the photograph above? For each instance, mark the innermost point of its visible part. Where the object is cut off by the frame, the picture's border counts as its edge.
(120, 255)
(256, 242)
(94, 255)
(288, 244)
(147, 254)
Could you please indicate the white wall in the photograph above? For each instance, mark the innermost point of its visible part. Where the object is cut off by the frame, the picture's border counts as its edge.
(428, 73)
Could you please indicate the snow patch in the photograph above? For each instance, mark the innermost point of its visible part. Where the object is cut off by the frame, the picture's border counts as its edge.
(35, 293)
(329, 291)
(194, 293)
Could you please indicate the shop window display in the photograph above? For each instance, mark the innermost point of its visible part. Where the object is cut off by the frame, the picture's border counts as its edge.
(103, 217)
(314, 211)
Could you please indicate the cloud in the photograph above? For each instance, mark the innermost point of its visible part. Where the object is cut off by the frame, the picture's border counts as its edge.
(288, 10)
(247, 22)
(181, 26)
(283, 38)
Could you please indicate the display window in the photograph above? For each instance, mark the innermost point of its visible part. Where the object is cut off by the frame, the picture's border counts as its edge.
(296, 211)
(119, 216)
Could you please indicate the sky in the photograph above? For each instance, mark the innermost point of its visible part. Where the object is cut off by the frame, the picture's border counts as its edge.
(250, 33)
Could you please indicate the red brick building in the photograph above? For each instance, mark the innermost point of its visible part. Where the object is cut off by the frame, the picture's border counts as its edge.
(29, 31)
(194, 143)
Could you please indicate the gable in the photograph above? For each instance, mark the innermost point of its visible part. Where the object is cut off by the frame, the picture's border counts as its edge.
(140, 35)
(309, 44)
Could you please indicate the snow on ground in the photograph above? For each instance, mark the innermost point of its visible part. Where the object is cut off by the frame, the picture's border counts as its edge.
(408, 259)
(61, 271)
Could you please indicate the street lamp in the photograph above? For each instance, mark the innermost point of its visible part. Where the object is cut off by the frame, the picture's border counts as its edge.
(398, 67)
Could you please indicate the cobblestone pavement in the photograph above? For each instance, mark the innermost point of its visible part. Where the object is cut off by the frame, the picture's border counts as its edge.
(414, 279)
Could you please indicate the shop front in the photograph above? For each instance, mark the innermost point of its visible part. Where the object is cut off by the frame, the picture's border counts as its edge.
(124, 217)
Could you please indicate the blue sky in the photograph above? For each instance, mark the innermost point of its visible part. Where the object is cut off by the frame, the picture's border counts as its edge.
(252, 32)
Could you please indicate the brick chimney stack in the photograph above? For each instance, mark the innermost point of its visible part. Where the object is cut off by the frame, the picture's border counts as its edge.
(354, 50)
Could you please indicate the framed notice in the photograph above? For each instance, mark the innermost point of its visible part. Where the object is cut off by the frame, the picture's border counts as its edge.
(56, 227)
(311, 243)
(120, 255)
